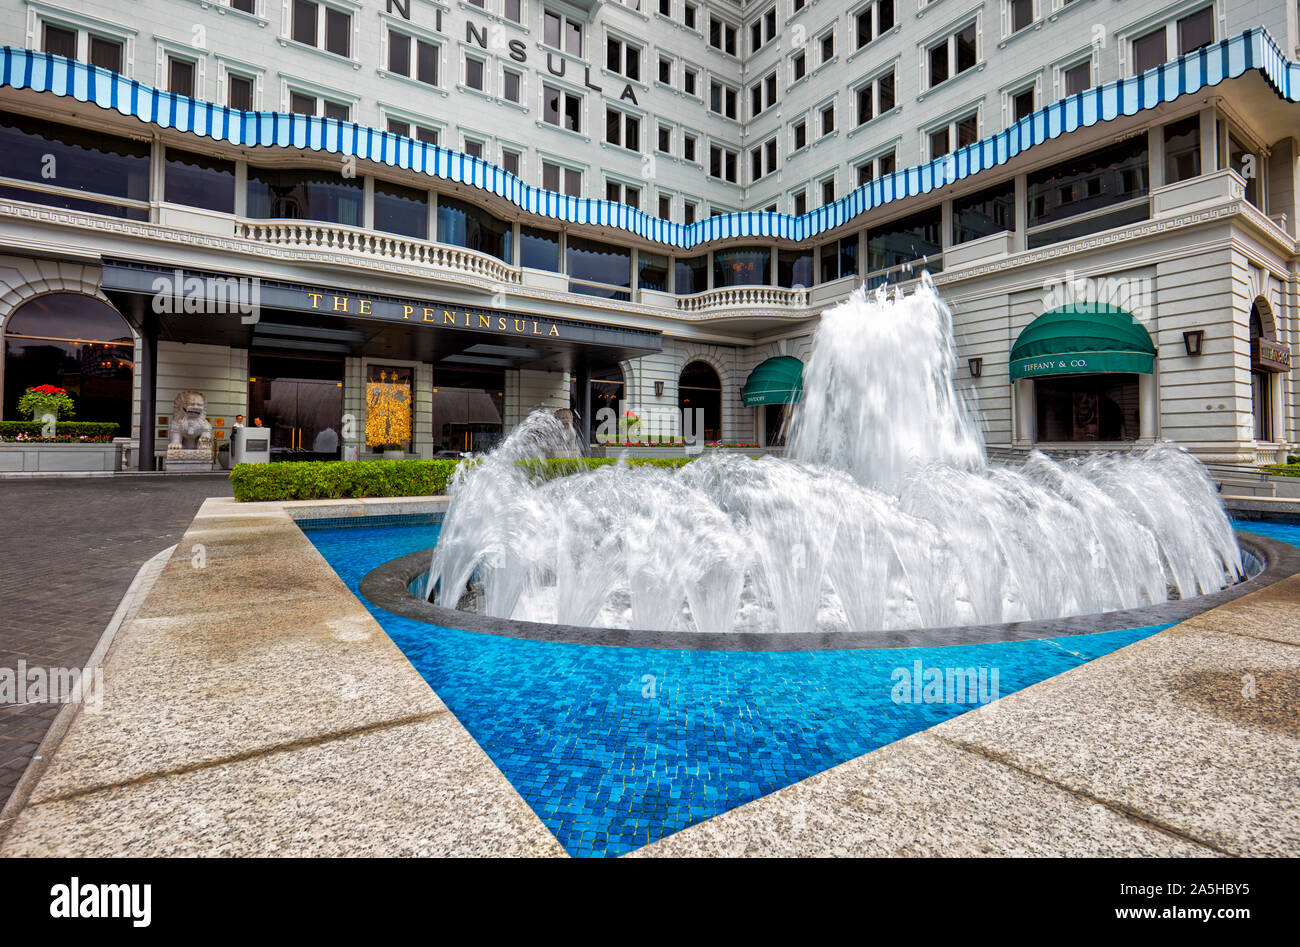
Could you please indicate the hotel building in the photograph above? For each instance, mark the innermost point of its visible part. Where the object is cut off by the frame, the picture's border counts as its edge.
(498, 205)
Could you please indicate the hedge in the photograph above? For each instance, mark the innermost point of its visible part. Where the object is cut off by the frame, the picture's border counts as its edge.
(61, 428)
(333, 479)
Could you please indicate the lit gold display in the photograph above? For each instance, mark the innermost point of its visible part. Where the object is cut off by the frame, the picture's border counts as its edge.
(388, 411)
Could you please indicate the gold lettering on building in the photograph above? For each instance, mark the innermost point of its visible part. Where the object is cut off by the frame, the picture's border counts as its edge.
(365, 307)
(343, 300)
(315, 300)
(406, 311)
(429, 316)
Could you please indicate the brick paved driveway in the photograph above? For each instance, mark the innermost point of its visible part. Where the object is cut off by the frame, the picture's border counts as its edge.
(69, 548)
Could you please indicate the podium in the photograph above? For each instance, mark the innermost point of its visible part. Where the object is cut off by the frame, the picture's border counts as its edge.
(250, 445)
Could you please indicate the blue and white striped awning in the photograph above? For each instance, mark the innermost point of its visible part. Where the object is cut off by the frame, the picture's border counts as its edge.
(1228, 59)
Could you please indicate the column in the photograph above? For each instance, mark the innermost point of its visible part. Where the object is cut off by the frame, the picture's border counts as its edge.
(147, 322)
(1148, 407)
(584, 405)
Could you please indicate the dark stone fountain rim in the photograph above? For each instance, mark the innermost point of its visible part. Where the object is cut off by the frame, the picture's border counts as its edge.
(387, 586)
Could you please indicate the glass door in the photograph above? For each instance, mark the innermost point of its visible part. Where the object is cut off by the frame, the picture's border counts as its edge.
(301, 401)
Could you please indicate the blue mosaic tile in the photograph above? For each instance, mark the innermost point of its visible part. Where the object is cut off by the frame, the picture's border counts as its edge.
(609, 768)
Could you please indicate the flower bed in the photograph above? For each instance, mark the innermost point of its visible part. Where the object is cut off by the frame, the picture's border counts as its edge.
(65, 432)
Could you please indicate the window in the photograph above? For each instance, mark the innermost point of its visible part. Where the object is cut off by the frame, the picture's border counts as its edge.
(539, 249)
(239, 92)
(1149, 51)
(59, 40)
(665, 70)
(828, 191)
(199, 181)
(742, 266)
(688, 81)
(988, 212)
(623, 58)
(953, 55)
(105, 53)
(665, 140)
(398, 127)
(1182, 150)
(762, 95)
(562, 109)
(473, 148)
(827, 44)
(628, 194)
(874, 168)
(400, 60)
(1195, 31)
(331, 32)
(465, 225)
(427, 135)
(691, 274)
(688, 147)
(1022, 14)
(722, 99)
(688, 16)
(180, 76)
(337, 110)
(801, 203)
(510, 82)
(402, 210)
(510, 161)
(828, 119)
(666, 7)
(665, 207)
(1078, 78)
(652, 272)
(301, 104)
(474, 73)
(244, 6)
(305, 195)
(1022, 104)
(722, 163)
(873, 20)
(622, 129)
(565, 180)
(1245, 161)
(688, 215)
(722, 36)
(1086, 408)
(559, 32)
(800, 134)
(958, 134)
(598, 269)
(799, 65)
(762, 159)
(513, 10)
(902, 241)
(1110, 179)
(794, 268)
(875, 97)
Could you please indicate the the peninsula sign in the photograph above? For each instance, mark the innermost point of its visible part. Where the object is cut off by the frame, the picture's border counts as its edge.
(482, 320)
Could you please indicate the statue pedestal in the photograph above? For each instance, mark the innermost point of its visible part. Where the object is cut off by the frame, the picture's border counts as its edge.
(188, 461)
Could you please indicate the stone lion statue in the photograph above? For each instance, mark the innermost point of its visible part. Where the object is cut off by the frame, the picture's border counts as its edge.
(190, 429)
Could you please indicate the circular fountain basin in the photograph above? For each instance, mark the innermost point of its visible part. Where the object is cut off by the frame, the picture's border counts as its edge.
(389, 587)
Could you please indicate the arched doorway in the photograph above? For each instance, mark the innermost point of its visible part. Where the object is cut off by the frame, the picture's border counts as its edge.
(72, 341)
(700, 389)
(1268, 359)
(607, 394)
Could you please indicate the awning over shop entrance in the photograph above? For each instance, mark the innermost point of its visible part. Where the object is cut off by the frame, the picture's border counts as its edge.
(1083, 339)
(779, 380)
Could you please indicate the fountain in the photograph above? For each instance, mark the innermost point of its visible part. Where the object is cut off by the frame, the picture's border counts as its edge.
(886, 514)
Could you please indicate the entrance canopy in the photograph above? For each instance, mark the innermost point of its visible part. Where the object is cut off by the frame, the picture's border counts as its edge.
(1083, 339)
(777, 381)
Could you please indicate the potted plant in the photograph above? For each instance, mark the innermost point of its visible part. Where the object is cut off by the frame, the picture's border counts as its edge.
(393, 451)
(45, 401)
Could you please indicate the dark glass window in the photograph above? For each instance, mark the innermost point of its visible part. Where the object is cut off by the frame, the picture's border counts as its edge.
(399, 53)
(1087, 407)
(335, 110)
(985, 213)
(59, 41)
(1089, 182)
(102, 165)
(474, 74)
(596, 262)
(1196, 30)
(75, 342)
(464, 225)
(839, 258)
(652, 271)
(904, 240)
(1022, 105)
(539, 249)
(1078, 78)
(938, 63)
(1182, 150)
(304, 22)
(338, 31)
(885, 15)
(742, 266)
(240, 93)
(403, 210)
(1022, 14)
(302, 104)
(1149, 51)
(690, 275)
(426, 62)
(510, 85)
(105, 53)
(794, 268)
(307, 195)
(180, 76)
(966, 52)
(200, 181)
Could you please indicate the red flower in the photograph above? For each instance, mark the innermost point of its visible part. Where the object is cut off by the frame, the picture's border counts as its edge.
(49, 390)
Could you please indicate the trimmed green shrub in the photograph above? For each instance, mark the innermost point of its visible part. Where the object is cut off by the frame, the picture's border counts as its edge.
(105, 429)
(334, 479)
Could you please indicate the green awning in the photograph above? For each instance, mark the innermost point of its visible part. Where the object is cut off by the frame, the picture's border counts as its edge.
(1082, 339)
(777, 381)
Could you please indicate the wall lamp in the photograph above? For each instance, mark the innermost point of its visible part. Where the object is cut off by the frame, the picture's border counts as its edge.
(659, 389)
(976, 367)
(1194, 341)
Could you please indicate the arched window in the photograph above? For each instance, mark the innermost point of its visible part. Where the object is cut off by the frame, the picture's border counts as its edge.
(1267, 358)
(700, 390)
(607, 393)
(75, 342)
